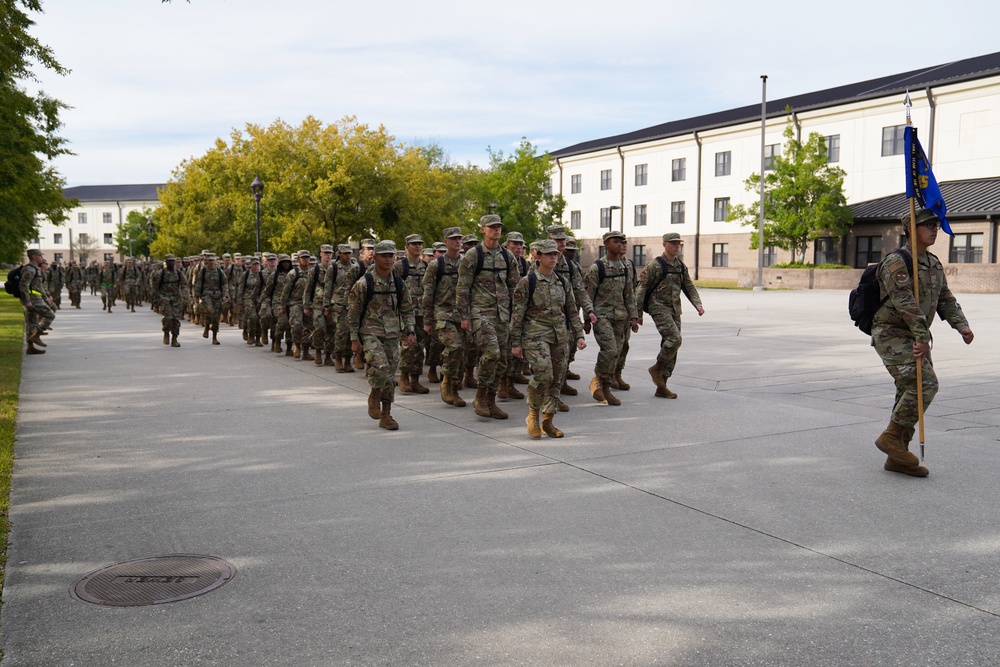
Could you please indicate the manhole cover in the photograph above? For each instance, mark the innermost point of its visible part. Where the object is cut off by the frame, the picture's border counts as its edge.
(155, 580)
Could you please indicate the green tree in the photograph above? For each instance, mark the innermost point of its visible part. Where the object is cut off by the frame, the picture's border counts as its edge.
(517, 184)
(132, 236)
(29, 186)
(803, 197)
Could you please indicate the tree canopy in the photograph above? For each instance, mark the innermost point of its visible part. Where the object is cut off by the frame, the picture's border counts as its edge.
(132, 237)
(803, 197)
(29, 186)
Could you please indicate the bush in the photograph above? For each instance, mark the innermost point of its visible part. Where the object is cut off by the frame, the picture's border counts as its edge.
(803, 265)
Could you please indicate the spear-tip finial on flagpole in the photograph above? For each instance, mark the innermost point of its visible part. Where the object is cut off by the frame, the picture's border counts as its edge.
(907, 104)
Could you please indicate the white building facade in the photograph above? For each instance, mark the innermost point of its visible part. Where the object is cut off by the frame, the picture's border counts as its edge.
(683, 176)
(94, 221)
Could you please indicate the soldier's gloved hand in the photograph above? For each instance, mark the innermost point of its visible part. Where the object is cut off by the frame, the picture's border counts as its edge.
(701, 311)
(586, 326)
(593, 318)
(967, 335)
(356, 347)
(635, 325)
(581, 343)
(516, 351)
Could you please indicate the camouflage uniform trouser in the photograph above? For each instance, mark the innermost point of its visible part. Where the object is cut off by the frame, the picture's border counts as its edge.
(492, 339)
(211, 307)
(324, 331)
(342, 344)
(669, 326)
(251, 320)
(896, 353)
(131, 294)
(382, 356)
(454, 340)
(610, 335)
(548, 357)
(171, 309)
(107, 294)
(75, 290)
(296, 323)
(37, 313)
(412, 356)
(281, 329)
(227, 310)
(433, 350)
(266, 317)
(624, 355)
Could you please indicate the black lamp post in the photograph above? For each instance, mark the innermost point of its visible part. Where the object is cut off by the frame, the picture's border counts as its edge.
(258, 190)
(492, 207)
(149, 236)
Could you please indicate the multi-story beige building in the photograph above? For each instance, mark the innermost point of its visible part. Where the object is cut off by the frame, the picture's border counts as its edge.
(683, 176)
(92, 225)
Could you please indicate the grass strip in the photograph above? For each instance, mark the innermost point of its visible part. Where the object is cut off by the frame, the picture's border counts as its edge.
(11, 335)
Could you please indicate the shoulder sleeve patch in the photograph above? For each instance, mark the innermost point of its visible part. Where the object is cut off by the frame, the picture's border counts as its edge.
(901, 276)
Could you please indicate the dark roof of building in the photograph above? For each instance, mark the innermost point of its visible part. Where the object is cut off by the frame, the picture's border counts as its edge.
(147, 192)
(974, 198)
(897, 84)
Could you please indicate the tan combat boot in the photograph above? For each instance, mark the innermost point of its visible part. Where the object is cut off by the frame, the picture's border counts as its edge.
(891, 442)
(495, 412)
(263, 336)
(31, 349)
(359, 362)
(166, 338)
(609, 398)
(432, 375)
(456, 400)
(338, 362)
(570, 375)
(481, 403)
(912, 471)
(502, 390)
(664, 393)
(296, 351)
(595, 390)
(534, 430)
(563, 407)
(470, 378)
(173, 341)
(512, 391)
(308, 357)
(374, 409)
(416, 386)
(386, 421)
(204, 334)
(404, 382)
(549, 427)
(328, 361)
(446, 390)
(319, 358)
(348, 368)
(619, 383)
(567, 390)
(289, 348)
(215, 338)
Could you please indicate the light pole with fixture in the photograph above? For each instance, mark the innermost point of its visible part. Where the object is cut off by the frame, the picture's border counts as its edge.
(258, 191)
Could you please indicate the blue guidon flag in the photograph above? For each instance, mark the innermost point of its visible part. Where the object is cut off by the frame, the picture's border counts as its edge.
(920, 181)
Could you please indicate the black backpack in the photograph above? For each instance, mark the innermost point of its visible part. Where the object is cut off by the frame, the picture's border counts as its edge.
(13, 283)
(864, 300)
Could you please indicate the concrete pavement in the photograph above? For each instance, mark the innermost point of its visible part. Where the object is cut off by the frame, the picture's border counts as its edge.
(748, 522)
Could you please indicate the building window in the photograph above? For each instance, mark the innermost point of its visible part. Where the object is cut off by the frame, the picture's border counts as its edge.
(109, 257)
(770, 255)
(107, 218)
(575, 186)
(605, 179)
(108, 239)
(771, 151)
(720, 254)
(57, 257)
(678, 169)
(639, 255)
(892, 140)
(57, 239)
(966, 249)
(826, 251)
(721, 208)
(601, 252)
(83, 238)
(640, 215)
(677, 212)
(81, 218)
(833, 148)
(869, 251)
(548, 188)
(574, 220)
(723, 163)
(605, 218)
(641, 172)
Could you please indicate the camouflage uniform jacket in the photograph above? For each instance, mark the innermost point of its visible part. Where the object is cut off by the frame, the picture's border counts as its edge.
(55, 279)
(900, 317)
(439, 301)
(167, 283)
(75, 276)
(667, 287)
(574, 275)
(250, 286)
(613, 298)
(131, 274)
(414, 278)
(108, 276)
(551, 315)
(383, 317)
(337, 283)
(32, 283)
(271, 293)
(314, 287)
(293, 292)
(489, 293)
(210, 282)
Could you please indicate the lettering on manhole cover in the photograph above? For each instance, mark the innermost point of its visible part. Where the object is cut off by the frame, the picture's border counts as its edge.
(154, 580)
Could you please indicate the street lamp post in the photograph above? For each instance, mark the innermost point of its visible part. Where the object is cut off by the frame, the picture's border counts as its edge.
(258, 191)
(149, 236)
(611, 217)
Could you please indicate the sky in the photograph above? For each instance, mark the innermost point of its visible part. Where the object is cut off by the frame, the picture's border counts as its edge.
(153, 84)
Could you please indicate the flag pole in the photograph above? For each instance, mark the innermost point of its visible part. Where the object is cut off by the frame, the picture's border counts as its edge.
(916, 289)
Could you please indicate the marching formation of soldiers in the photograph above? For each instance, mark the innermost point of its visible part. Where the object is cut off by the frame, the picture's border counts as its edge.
(487, 313)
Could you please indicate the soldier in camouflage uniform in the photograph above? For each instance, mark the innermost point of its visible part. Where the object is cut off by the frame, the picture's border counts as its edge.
(472, 353)
(55, 278)
(412, 269)
(92, 272)
(609, 287)
(168, 285)
(901, 336)
(38, 314)
(324, 325)
(442, 320)
(544, 320)
(379, 312)
(211, 291)
(294, 301)
(76, 279)
(107, 278)
(270, 302)
(660, 288)
(337, 283)
(131, 276)
(268, 266)
(230, 305)
(248, 294)
(571, 273)
(487, 276)
(515, 244)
